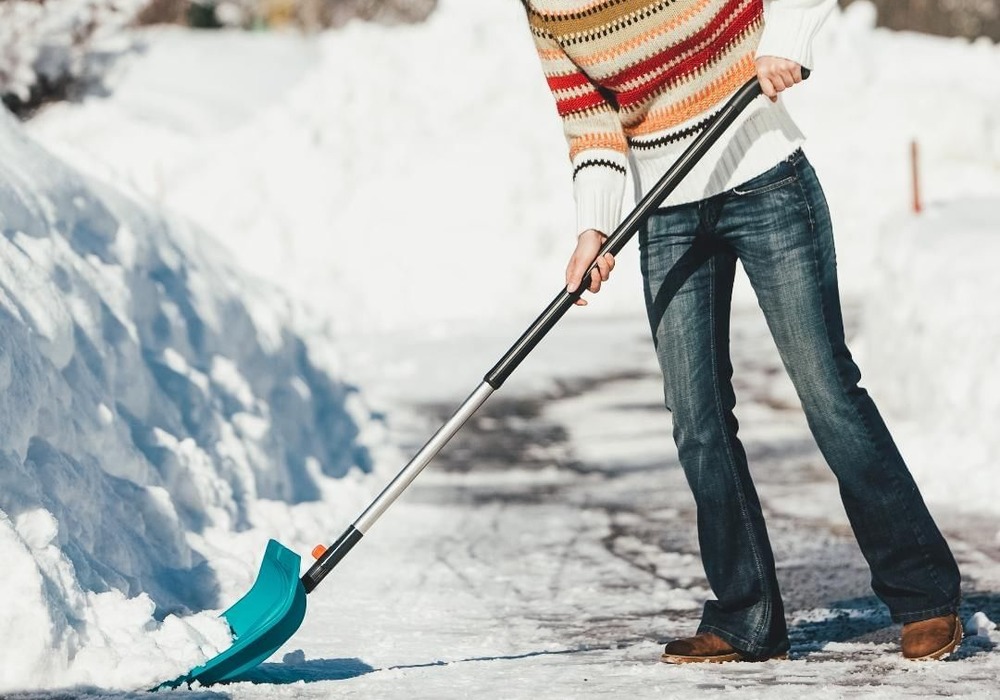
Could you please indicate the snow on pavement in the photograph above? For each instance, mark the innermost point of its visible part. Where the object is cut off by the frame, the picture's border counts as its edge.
(552, 548)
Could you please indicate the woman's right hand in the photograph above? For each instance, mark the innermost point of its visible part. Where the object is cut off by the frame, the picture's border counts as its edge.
(587, 246)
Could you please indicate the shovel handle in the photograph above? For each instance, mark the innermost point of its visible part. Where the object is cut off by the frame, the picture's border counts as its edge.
(628, 228)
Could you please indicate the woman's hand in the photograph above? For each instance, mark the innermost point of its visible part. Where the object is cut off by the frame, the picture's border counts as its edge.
(587, 246)
(777, 74)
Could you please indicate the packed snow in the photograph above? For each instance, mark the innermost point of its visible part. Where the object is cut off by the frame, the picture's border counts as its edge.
(250, 224)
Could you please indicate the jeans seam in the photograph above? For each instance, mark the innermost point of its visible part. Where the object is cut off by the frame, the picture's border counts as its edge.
(864, 422)
(740, 497)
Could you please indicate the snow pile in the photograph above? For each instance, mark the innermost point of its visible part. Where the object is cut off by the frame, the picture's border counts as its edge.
(933, 325)
(152, 402)
(43, 44)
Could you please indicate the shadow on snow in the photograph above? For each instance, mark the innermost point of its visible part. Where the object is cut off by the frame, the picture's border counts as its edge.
(318, 670)
(866, 619)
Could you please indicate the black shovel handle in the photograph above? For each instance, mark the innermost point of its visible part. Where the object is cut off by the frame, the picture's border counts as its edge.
(628, 228)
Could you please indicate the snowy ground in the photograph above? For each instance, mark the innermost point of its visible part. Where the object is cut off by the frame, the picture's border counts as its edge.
(567, 520)
(551, 547)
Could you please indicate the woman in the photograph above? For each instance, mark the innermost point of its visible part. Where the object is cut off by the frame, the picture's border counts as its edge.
(634, 81)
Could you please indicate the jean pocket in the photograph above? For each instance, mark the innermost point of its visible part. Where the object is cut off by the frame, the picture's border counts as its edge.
(779, 176)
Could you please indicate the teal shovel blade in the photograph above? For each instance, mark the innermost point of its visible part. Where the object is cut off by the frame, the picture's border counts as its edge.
(261, 621)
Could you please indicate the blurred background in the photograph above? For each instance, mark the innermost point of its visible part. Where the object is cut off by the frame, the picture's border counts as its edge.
(34, 68)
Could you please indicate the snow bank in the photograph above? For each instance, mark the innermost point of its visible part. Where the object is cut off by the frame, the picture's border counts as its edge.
(932, 329)
(152, 401)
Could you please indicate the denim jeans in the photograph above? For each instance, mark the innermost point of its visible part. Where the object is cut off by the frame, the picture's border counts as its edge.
(778, 226)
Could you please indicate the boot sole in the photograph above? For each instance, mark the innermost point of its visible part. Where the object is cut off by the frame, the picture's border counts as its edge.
(714, 659)
(947, 649)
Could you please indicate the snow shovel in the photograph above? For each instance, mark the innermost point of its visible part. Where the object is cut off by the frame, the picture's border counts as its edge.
(270, 613)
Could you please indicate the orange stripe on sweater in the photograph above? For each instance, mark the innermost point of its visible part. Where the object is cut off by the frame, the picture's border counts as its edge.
(611, 141)
(552, 54)
(700, 102)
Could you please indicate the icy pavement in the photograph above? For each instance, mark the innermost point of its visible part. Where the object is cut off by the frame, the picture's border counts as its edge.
(551, 548)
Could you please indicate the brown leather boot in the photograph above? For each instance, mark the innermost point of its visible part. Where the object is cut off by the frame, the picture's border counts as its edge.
(704, 647)
(932, 639)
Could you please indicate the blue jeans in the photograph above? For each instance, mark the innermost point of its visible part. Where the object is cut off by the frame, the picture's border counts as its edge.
(778, 226)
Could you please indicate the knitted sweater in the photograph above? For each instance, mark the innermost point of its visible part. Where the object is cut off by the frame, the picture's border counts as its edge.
(635, 80)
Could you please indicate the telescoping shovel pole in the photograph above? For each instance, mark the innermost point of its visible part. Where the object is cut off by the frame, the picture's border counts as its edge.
(270, 613)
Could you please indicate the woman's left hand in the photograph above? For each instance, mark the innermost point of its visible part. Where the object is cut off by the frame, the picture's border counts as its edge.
(777, 74)
(588, 244)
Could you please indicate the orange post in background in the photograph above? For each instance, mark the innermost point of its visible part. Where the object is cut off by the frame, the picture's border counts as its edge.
(915, 172)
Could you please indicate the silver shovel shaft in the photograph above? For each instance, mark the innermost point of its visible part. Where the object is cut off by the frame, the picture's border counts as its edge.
(339, 549)
(416, 465)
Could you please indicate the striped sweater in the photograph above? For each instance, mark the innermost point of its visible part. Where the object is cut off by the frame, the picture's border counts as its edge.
(635, 80)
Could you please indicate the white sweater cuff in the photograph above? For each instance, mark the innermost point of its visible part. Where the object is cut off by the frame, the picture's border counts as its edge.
(598, 188)
(790, 26)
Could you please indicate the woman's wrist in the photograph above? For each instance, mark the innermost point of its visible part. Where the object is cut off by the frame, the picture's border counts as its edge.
(593, 232)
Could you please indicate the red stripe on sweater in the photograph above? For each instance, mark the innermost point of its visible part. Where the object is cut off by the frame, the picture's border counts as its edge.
(567, 82)
(725, 15)
(579, 104)
(692, 64)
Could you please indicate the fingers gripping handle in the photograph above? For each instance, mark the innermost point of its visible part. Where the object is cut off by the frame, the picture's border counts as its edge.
(615, 246)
